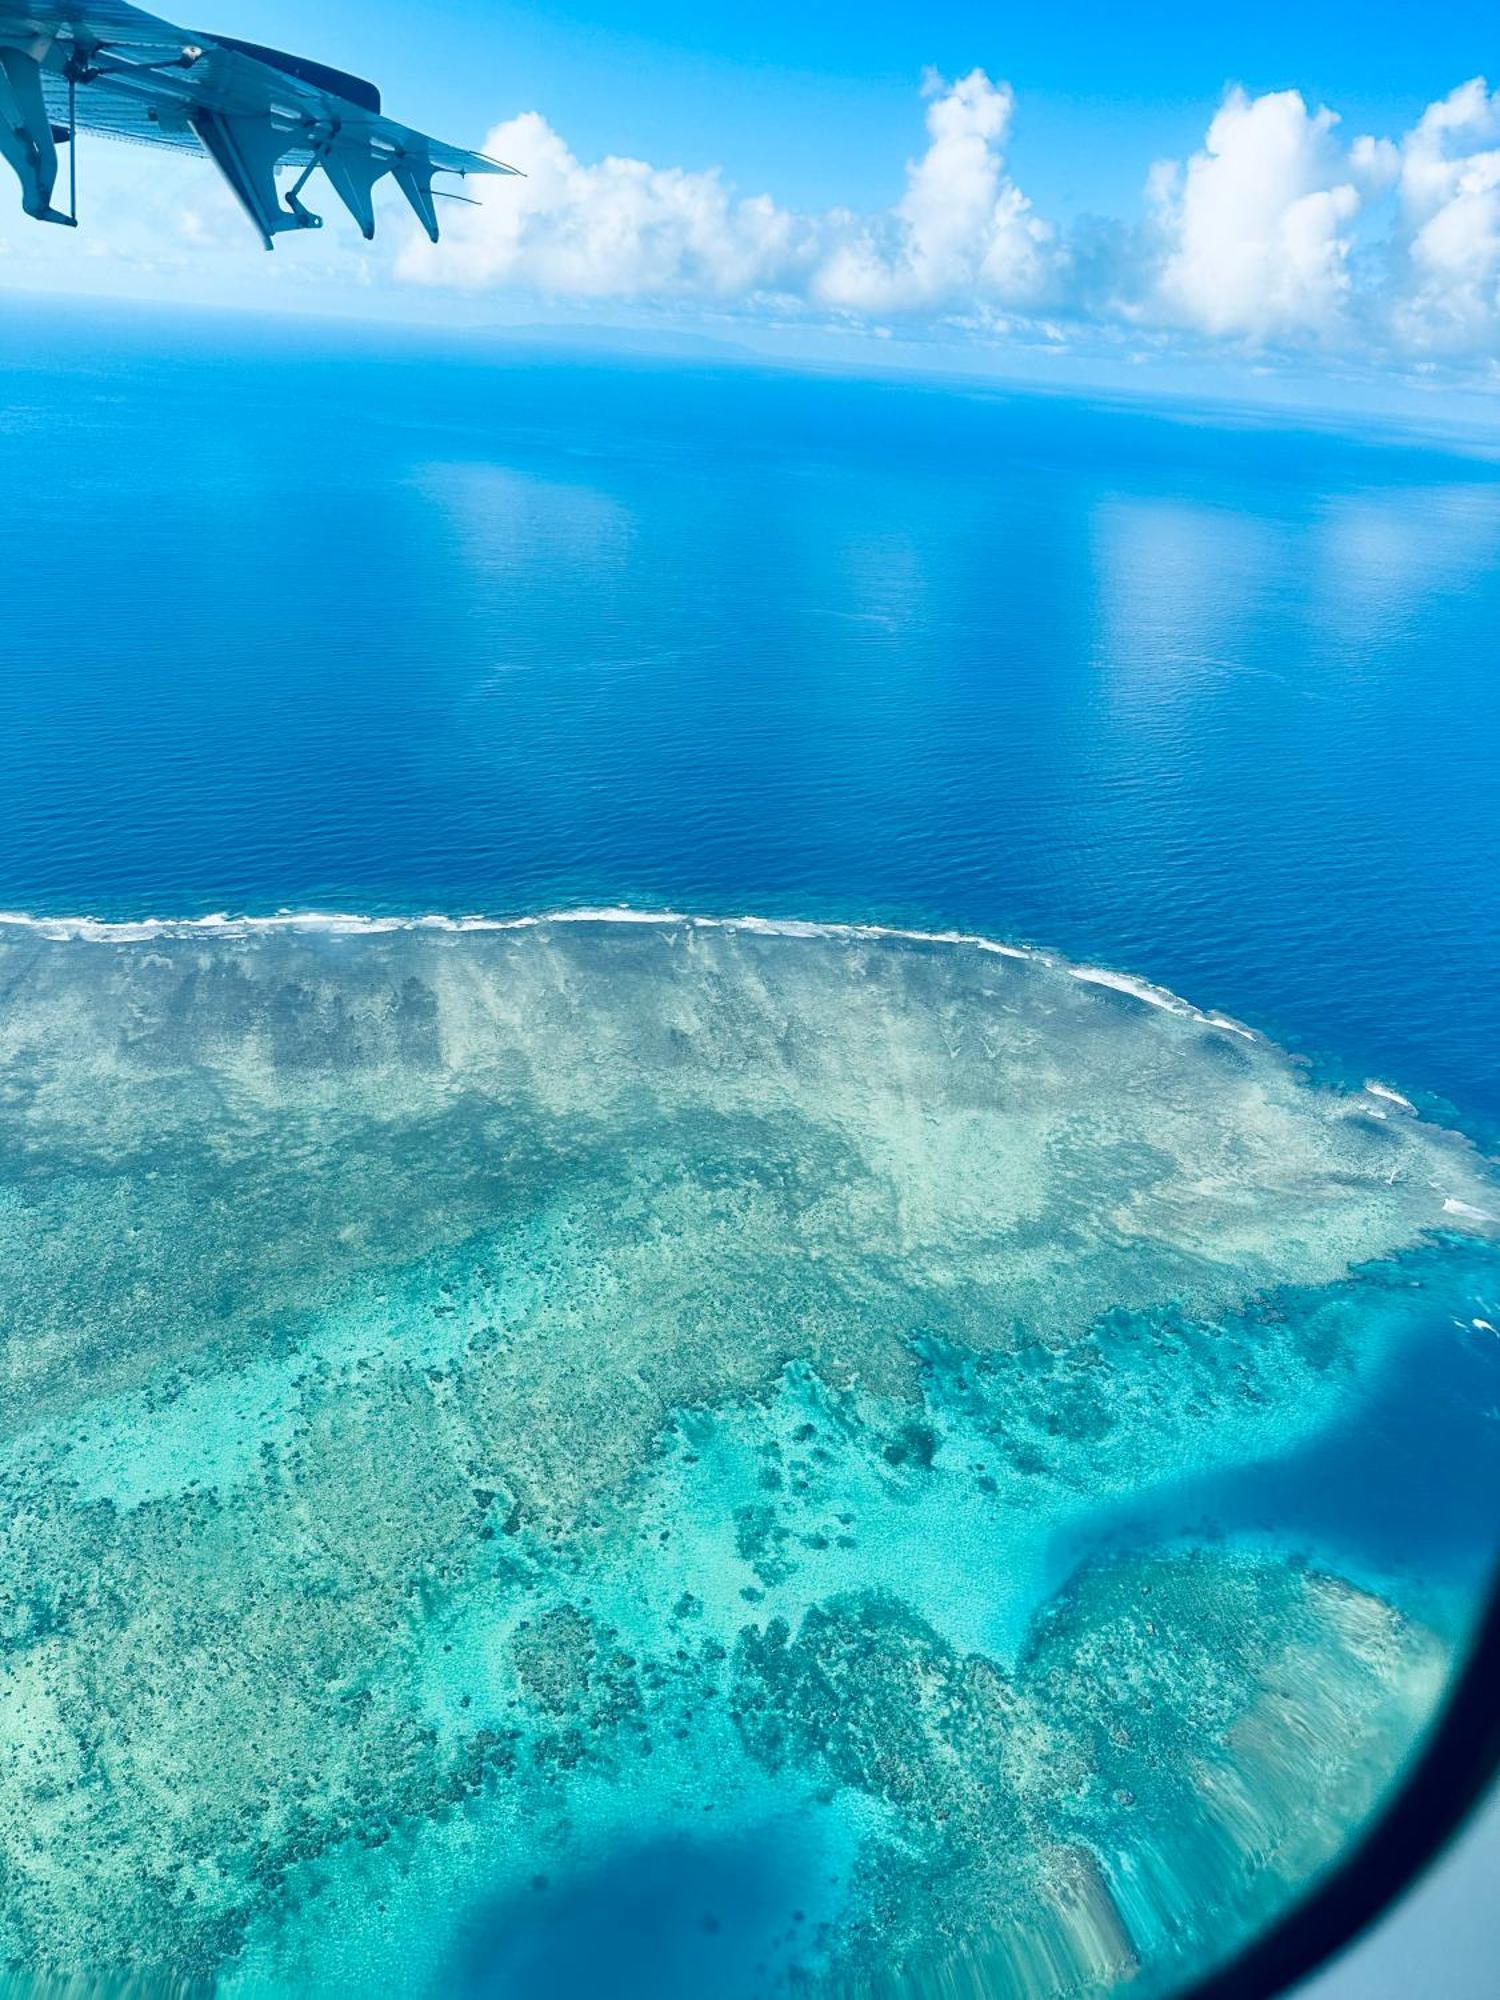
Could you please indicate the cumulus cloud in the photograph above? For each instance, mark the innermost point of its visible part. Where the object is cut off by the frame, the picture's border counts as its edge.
(963, 229)
(619, 229)
(626, 229)
(1274, 233)
(1257, 226)
(1449, 188)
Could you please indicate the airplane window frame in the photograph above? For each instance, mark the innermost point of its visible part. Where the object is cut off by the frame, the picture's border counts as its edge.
(1451, 1776)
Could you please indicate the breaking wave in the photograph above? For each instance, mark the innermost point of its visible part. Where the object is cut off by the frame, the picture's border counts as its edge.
(219, 924)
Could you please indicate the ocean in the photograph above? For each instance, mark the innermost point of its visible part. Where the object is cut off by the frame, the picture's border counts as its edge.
(324, 620)
(747, 1230)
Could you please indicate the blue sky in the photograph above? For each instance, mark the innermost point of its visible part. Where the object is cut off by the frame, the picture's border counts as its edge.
(816, 100)
(1270, 191)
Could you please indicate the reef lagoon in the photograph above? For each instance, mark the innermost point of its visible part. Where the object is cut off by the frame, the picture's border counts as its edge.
(630, 1453)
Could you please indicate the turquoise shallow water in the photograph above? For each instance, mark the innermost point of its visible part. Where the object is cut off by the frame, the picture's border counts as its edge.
(674, 1457)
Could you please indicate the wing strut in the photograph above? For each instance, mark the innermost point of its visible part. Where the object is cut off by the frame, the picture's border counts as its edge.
(72, 147)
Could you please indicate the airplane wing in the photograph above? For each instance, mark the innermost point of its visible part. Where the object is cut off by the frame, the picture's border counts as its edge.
(105, 66)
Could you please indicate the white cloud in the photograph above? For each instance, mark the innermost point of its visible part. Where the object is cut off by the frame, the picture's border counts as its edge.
(1250, 239)
(1274, 234)
(962, 230)
(620, 229)
(1376, 162)
(1258, 227)
(1449, 185)
(625, 229)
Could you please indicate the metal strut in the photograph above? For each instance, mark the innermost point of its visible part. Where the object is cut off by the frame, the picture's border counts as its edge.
(82, 66)
(294, 203)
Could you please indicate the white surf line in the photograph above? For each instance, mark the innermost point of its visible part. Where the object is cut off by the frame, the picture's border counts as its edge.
(103, 930)
(1138, 989)
(337, 923)
(220, 925)
(1384, 1090)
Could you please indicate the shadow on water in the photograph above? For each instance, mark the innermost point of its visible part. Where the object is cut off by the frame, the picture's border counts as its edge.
(1405, 1487)
(675, 1919)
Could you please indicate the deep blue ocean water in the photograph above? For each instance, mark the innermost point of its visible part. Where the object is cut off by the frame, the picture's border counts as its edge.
(314, 618)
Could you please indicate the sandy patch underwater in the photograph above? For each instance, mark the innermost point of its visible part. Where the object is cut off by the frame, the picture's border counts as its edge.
(758, 1458)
